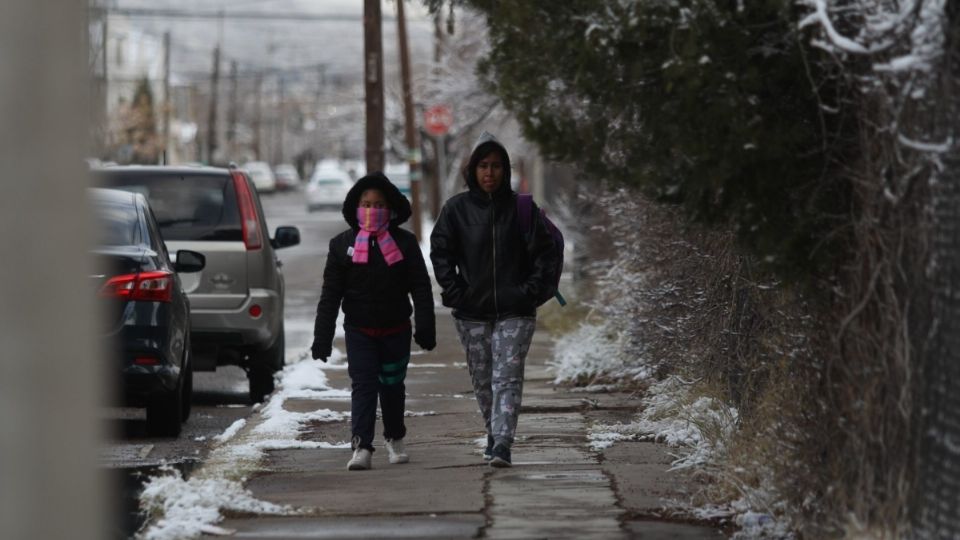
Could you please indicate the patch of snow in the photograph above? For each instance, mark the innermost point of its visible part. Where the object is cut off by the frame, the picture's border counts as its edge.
(672, 416)
(589, 351)
(594, 388)
(230, 431)
(189, 508)
(601, 440)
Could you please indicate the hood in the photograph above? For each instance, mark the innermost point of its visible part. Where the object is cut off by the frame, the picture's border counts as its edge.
(399, 205)
(485, 144)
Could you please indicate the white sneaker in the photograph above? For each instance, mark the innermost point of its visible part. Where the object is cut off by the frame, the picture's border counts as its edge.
(360, 460)
(396, 451)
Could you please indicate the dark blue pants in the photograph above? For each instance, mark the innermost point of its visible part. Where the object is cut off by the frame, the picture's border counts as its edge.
(377, 368)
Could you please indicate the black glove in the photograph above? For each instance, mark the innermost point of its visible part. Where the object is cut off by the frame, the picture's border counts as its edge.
(426, 340)
(319, 351)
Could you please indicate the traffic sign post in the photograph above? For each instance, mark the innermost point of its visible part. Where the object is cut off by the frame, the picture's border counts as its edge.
(437, 120)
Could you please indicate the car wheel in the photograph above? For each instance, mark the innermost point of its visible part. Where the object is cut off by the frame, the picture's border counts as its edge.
(187, 392)
(261, 383)
(165, 413)
(262, 367)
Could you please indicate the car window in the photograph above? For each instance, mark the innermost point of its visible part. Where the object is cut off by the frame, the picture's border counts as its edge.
(156, 239)
(187, 207)
(119, 224)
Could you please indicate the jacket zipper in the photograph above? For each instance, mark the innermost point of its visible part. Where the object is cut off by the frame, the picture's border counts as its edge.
(493, 221)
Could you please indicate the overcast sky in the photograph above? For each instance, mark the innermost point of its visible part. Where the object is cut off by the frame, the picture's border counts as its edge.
(265, 44)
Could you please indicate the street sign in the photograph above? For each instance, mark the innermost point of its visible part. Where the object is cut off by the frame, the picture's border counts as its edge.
(437, 120)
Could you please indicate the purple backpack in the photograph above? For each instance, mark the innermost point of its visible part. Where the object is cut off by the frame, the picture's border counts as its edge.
(525, 215)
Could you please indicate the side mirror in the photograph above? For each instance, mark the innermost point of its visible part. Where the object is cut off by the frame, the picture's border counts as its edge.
(286, 236)
(189, 261)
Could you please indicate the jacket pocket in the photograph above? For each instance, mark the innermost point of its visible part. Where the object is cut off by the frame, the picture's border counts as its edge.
(516, 300)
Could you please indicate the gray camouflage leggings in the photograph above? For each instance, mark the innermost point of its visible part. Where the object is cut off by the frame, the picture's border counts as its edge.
(496, 352)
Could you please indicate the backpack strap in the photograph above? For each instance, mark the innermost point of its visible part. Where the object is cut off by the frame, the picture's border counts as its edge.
(525, 212)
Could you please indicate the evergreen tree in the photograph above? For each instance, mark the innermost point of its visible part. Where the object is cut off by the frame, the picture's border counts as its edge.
(704, 102)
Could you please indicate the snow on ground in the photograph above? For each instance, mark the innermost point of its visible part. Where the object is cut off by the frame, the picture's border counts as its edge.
(672, 416)
(192, 507)
(188, 508)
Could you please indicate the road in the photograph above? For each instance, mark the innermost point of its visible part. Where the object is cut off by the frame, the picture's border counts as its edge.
(220, 398)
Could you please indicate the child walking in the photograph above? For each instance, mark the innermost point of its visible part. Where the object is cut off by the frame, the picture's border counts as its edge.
(372, 271)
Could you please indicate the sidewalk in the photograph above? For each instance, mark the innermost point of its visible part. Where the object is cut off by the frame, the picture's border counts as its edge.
(558, 487)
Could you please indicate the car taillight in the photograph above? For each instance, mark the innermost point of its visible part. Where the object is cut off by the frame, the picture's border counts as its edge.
(146, 286)
(248, 213)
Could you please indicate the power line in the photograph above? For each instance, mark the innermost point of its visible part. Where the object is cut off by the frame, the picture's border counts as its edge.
(160, 13)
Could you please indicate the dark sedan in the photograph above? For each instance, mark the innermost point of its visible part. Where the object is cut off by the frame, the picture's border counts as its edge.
(147, 314)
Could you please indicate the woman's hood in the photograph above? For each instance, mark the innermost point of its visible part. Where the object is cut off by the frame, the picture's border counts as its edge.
(399, 205)
(485, 144)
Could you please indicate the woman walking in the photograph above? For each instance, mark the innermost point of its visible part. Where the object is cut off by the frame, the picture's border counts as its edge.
(494, 277)
(373, 269)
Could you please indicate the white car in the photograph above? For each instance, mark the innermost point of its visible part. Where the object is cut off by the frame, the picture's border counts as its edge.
(262, 176)
(287, 177)
(327, 188)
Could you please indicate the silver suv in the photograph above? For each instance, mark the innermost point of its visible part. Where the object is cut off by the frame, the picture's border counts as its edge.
(236, 302)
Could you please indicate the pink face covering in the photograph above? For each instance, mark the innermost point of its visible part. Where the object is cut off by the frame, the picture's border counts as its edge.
(375, 222)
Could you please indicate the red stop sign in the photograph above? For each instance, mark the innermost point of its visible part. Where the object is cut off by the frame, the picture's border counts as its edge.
(437, 120)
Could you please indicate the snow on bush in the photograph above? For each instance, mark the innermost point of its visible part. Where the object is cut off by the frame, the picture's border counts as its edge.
(591, 351)
(673, 414)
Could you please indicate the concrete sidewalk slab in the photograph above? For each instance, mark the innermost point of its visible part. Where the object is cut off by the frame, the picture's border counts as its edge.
(558, 487)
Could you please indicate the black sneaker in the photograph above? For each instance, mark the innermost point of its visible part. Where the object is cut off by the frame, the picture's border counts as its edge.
(488, 451)
(500, 456)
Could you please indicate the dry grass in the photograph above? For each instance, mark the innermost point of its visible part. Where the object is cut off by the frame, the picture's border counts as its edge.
(822, 375)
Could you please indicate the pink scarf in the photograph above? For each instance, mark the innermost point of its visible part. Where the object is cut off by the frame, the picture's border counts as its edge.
(375, 221)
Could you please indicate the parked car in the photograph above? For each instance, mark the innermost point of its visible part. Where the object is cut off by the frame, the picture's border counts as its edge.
(287, 177)
(237, 302)
(327, 188)
(399, 174)
(147, 322)
(262, 176)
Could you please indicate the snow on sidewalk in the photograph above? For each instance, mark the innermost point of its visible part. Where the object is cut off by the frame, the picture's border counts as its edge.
(180, 508)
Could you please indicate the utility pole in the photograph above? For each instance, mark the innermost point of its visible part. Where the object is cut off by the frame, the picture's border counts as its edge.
(321, 83)
(232, 113)
(51, 426)
(257, 116)
(409, 124)
(437, 39)
(167, 102)
(373, 83)
(439, 143)
(212, 119)
(105, 88)
(281, 120)
(195, 115)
